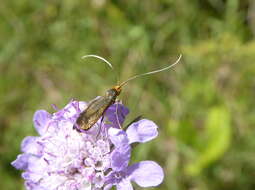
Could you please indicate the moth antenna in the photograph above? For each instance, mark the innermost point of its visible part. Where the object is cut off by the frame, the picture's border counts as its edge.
(98, 57)
(152, 72)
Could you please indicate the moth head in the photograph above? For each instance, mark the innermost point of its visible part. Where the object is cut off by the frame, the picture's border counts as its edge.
(117, 89)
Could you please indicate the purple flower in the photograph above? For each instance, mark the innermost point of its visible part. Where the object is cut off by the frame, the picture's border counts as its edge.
(62, 158)
(145, 173)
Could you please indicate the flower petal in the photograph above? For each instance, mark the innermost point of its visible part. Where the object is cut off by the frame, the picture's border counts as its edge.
(31, 176)
(120, 158)
(99, 180)
(41, 120)
(37, 165)
(124, 185)
(110, 180)
(116, 115)
(108, 186)
(30, 145)
(118, 137)
(121, 154)
(142, 131)
(146, 173)
(21, 163)
(72, 108)
(33, 186)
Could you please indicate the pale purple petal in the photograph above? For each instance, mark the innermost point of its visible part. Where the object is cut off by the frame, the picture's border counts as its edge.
(110, 179)
(33, 186)
(73, 108)
(146, 173)
(118, 137)
(21, 163)
(108, 186)
(99, 180)
(124, 185)
(116, 115)
(36, 165)
(41, 120)
(30, 145)
(39, 188)
(142, 131)
(121, 154)
(120, 158)
(34, 177)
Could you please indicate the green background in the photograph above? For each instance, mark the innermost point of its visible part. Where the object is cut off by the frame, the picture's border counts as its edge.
(204, 107)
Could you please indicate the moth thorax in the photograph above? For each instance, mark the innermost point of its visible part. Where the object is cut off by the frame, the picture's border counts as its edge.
(112, 93)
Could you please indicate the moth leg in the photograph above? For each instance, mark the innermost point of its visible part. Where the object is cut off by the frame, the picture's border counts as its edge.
(117, 116)
(118, 101)
(100, 126)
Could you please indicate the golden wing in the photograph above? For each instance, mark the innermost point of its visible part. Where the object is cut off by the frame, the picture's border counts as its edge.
(93, 112)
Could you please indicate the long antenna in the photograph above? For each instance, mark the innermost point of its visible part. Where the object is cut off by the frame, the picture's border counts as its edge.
(152, 72)
(98, 57)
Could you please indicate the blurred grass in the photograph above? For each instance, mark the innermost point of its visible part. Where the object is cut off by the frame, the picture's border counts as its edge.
(205, 106)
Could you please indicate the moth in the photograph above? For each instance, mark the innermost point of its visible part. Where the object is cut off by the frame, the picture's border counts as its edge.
(97, 107)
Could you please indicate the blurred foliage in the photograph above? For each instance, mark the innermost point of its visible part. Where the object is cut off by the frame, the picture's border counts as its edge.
(205, 106)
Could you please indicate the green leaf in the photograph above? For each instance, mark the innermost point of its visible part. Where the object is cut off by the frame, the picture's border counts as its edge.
(217, 141)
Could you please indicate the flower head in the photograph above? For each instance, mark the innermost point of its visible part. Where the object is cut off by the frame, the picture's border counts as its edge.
(61, 158)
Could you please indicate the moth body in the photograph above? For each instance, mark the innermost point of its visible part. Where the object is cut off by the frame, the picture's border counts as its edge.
(97, 107)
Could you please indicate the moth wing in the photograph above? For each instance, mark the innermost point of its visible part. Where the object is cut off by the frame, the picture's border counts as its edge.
(99, 104)
(93, 112)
